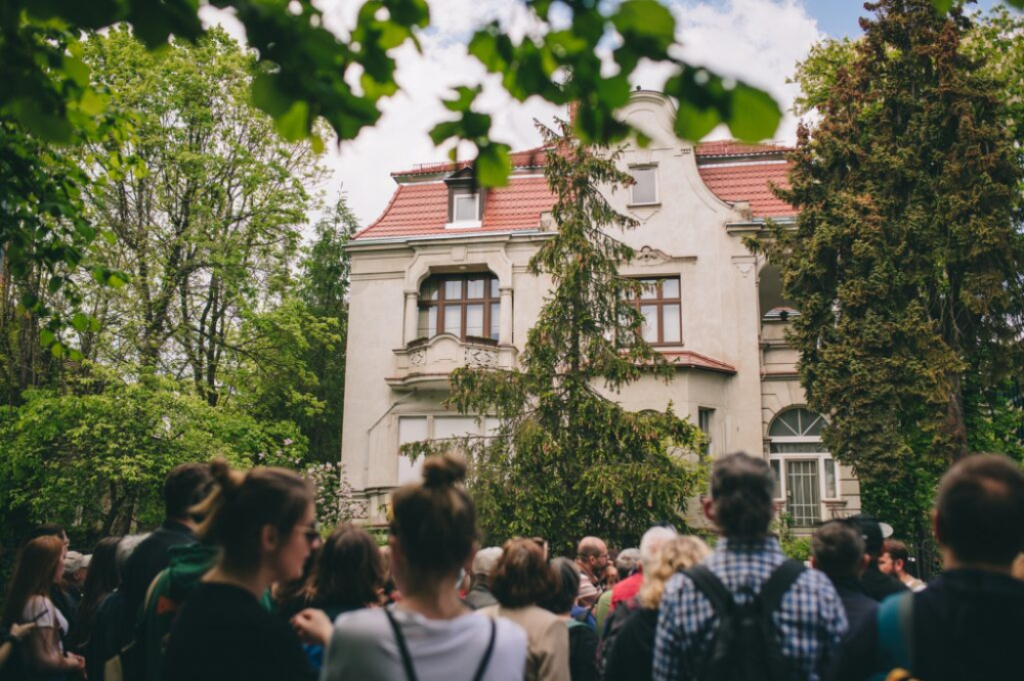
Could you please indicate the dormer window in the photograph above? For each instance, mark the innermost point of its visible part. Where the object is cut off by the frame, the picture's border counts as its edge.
(645, 188)
(466, 208)
(465, 200)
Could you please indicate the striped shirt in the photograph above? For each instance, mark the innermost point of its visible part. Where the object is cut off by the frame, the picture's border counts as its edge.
(809, 622)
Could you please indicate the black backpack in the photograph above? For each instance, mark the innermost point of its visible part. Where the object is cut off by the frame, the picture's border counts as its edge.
(744, 647)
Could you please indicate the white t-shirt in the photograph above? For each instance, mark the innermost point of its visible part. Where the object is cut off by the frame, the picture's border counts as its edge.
(363, 647)
(44, 613)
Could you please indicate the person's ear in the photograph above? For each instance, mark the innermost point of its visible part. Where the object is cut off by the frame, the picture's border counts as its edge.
(270, 539)
(709, 509)
(467, 565)
(936, 528)
(814, 562)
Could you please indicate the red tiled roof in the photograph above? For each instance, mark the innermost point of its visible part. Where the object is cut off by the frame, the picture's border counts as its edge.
(694, 360)
(421, 209)
(734, 148)
(530, 158)
(750, 182)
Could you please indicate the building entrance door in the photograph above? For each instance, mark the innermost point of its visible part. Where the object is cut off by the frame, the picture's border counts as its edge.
(803, 497)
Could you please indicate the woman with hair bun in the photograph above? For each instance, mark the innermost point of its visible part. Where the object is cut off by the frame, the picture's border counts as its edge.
(430, 635)
(263, 522)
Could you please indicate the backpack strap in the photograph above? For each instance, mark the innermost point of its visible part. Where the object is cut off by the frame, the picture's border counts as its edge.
(410, 672)
(778, 584)
(895, 632)
(487, 654)
(708, 583)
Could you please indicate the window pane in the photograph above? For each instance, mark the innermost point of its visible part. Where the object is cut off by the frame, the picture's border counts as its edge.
(453, 290)
(777, 474)
(495, 293)
(454, 426)
(831, 488)
(650, 331)
(475, 320)
(670, 317)
(650, 289)
(429, 290)
(645, 189)
(495, 320)
(670, 289)
(465, 208)
(453, 319)
(427, 326)
(410, 429)
(475, 289)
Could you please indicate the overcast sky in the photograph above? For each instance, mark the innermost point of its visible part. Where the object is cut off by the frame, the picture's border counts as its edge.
(759, 41)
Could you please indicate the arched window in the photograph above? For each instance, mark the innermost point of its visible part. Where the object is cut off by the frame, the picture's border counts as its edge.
(464, 305)
(805, 473)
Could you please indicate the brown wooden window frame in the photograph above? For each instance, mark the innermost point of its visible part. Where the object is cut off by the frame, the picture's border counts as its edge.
(661, 302)
(491, 297)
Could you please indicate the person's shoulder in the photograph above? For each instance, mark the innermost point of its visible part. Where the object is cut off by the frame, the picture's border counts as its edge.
(675, 586)
(35, 606)
(508, 633)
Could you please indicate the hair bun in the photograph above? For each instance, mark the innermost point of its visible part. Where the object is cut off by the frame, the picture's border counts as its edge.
(227, 479)
(443, 471)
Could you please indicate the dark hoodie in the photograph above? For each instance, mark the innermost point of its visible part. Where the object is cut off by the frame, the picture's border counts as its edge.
(968, 624)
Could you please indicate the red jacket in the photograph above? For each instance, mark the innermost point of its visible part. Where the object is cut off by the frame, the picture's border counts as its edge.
(626, 589)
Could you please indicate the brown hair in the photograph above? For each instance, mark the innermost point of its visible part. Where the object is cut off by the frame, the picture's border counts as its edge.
(522, 576)
(101, 580)
(897, 550)
(675, 554)
(33, 574)
(979, 510)
(742, 488)
(838, 548)
(348, 571)
(434, 521)
(185, 486)
(564, 597)
(242, 504)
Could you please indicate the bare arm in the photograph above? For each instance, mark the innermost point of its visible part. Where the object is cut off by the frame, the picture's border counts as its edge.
(44, 653)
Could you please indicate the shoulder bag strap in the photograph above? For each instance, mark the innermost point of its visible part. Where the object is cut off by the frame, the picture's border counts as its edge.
(410, 672)
(778, 584)
(487, 654)
(708, 583)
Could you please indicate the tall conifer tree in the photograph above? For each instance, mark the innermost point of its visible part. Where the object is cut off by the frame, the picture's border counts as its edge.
(568, 461)
(907, 262)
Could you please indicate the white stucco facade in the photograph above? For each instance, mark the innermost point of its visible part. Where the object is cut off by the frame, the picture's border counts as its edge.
(736, 373)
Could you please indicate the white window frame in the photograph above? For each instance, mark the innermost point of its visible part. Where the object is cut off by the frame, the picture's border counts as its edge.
(632, 189)
(820, 456)
(487, 427)
(465, 224)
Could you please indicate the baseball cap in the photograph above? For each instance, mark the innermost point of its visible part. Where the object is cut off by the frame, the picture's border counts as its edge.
(75, 561)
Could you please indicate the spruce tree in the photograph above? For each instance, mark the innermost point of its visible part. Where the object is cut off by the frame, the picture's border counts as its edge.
(567, 460)
(907, 261)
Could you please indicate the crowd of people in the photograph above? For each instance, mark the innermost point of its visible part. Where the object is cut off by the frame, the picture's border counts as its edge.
(240, 583)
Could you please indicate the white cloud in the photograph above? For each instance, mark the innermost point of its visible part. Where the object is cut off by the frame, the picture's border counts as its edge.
(758, 41)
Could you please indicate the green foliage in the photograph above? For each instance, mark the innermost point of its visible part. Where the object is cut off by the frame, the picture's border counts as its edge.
(907, 262)
(94, 457)
(567, 461)
(308, 73)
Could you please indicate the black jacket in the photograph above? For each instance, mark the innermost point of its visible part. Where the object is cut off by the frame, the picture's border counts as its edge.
(148, 560)
(967, 624)
(879, 585)
(858, 605)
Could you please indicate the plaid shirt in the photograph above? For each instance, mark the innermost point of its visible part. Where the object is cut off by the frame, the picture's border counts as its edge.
(809, 622)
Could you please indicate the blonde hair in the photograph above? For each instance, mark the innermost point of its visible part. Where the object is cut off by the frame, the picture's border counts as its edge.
(676, 554)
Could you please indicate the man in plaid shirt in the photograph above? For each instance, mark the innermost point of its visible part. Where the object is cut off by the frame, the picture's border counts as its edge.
(809, 621)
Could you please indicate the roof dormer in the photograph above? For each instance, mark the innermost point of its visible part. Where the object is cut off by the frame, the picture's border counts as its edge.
(465, 200)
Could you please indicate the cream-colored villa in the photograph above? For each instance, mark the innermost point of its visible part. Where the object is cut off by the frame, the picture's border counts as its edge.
(439, 281)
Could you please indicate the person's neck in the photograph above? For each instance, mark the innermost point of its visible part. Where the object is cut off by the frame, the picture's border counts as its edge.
(436, 601)
(255, 582)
